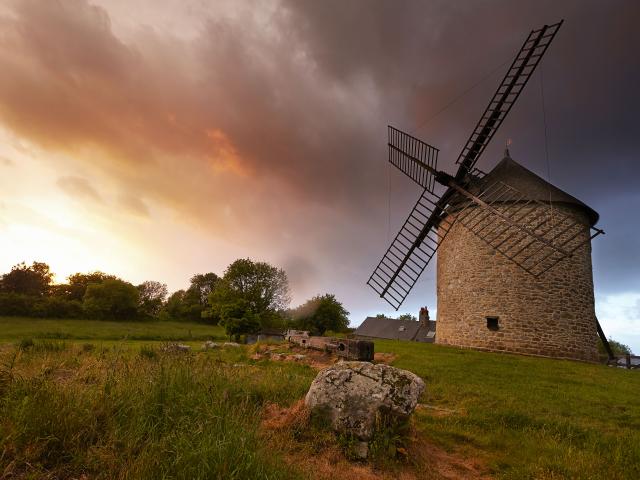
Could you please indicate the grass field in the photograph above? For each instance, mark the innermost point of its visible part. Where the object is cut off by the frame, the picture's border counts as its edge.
(15, 329)
(118, 410)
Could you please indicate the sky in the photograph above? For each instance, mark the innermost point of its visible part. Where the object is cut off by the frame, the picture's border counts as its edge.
(159, 139)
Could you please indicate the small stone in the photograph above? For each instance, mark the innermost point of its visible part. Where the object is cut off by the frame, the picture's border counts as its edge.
(209, 345)
(299, 357)
(176, 347)
(361, 450)
(230, 344)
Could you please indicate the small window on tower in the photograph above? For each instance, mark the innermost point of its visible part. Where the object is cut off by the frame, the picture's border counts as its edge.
(492, 323)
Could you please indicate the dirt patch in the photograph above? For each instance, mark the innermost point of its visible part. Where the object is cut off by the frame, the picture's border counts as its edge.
(381, 357)
(321, 458)
(446, 465)
(275, 417)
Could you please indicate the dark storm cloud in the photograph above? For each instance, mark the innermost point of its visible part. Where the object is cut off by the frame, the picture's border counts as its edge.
(276, 118)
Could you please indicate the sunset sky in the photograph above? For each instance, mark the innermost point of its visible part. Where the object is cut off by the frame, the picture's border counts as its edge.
(159, 139)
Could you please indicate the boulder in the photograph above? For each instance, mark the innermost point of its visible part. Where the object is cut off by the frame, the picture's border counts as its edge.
(350, 395)
(209, 345)
(231, 344)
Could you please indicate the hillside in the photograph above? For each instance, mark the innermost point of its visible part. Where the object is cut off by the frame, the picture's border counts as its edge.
(95, 407)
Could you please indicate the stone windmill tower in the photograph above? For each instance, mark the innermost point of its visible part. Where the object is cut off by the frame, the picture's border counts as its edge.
(514, 268)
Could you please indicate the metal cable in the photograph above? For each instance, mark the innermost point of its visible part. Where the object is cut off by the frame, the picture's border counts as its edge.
(463, 94)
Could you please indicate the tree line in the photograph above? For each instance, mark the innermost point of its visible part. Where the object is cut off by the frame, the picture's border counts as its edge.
(249, 297)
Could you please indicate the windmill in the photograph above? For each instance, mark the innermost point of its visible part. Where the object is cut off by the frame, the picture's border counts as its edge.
(533, 234)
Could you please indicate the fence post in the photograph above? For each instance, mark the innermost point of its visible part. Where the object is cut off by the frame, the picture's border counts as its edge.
(628, 360)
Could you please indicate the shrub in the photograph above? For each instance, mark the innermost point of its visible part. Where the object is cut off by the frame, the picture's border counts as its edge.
(56, 307)
(112, 299)
(25, 344)
(148, 352)
(16, 304)
(617, 347)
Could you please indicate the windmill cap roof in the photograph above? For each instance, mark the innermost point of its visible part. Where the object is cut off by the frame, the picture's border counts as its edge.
(532, 186)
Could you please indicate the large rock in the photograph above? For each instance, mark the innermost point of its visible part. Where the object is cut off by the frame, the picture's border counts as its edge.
(350, 395)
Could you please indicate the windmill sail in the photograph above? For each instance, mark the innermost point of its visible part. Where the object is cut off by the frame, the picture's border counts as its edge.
(507, 93)
(410, 252)
(532, 234)
(416, 159)
(431, 218)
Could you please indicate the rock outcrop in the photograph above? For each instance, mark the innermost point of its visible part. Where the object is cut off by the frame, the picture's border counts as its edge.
(350, 395)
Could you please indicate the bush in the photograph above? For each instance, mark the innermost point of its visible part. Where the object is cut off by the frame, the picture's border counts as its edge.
(16, 305)
(56, 307)
(112, 299)
(25, 344)
(617, 347)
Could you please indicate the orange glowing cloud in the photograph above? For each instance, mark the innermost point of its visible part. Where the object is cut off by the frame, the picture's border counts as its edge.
(225, 156)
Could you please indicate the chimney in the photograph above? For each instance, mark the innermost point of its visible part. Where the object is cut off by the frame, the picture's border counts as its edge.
(424, 316)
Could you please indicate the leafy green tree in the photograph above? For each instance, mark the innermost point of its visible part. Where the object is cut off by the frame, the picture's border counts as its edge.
(321, 313)
(407, 316)
(33, 280)
(202, 285)
(618, 348)
(238, 318)
(192, 304)
(78, 283)
(174, 308)
(151, 298)
(262, 288)
(111, 299)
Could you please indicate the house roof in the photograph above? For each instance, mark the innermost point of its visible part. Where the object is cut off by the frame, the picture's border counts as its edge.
(531, 185)
(390, 328)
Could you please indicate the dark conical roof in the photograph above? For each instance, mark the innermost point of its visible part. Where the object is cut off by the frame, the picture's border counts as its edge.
(531, 185)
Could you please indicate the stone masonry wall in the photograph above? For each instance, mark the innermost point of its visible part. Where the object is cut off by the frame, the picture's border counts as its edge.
(552, 315)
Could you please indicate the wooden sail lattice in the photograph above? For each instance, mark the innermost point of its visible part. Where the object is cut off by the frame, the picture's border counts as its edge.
(506, 95)
(532, 234)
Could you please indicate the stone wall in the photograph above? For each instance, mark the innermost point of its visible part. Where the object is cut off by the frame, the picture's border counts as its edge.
(552, 315)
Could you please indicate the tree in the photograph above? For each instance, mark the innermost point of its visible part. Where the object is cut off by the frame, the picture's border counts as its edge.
(202, 285)
(618, 348)
(238, 318)
(111, 299)
(174, 307)
(151, 298)
(322, 313)
(78, 283)
(262, 288)
(407, 316)
(195, 299)
(31, 280)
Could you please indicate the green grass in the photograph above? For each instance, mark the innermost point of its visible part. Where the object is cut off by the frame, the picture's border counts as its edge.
(528, 417)
(109, 414)
(16, 329)
(84, 402)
